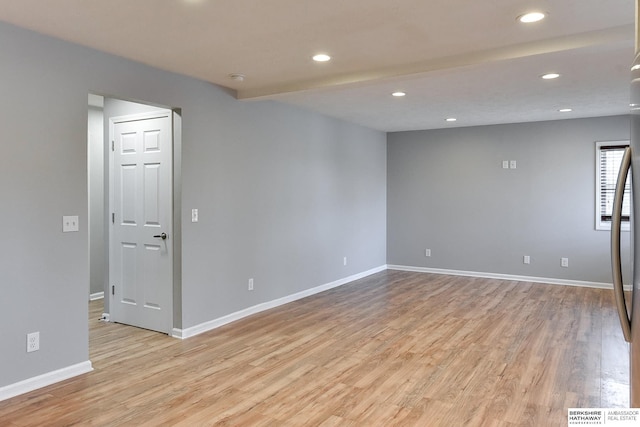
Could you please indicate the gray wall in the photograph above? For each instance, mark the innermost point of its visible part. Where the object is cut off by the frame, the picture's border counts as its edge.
(283, 194)
(447, 192)
(283, 200)
(95, 149)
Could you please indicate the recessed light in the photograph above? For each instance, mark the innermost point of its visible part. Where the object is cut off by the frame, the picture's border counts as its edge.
(451, 119)
(321, 57)
(550, 76)
(528, 18)
(398, 94)
(237, 77)
(565, 110)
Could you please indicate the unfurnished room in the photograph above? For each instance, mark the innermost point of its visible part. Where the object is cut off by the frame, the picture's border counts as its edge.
(319, 213)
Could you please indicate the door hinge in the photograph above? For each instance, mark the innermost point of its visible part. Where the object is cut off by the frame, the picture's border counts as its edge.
(113, 218)
(113, 289)
(113, 146)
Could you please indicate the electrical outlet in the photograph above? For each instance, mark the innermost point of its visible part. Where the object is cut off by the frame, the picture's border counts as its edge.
(194, 215)
(33, 342)
(564, 262)
(250, 284)
(513, 164)
(526, 259)
(427, 252)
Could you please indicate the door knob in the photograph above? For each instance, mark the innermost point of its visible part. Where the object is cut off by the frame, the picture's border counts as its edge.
(162, 236)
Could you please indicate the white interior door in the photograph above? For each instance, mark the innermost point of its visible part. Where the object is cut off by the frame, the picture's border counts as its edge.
(141, 250)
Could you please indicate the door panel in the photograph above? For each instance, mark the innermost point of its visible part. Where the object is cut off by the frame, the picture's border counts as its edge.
(141, 270)
(152, 178)
(128, 194)
(128, 258)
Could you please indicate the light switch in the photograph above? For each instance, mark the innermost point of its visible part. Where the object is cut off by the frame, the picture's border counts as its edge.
(505, 164)
(70, 223)
(194, 215)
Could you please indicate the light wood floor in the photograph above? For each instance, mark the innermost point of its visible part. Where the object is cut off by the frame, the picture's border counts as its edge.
(393, 349)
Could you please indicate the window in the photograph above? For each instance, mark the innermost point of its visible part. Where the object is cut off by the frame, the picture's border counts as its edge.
(608, 158)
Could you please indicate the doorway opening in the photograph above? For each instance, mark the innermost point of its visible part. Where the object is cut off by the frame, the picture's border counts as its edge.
(138, 201)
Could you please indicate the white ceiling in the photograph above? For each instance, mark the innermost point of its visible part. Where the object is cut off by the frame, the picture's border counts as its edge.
(467, 59)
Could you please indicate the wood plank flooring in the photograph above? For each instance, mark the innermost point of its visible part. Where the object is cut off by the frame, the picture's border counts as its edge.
(393, 349)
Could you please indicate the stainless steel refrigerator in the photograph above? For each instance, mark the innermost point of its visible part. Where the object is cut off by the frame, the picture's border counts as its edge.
(629, 311)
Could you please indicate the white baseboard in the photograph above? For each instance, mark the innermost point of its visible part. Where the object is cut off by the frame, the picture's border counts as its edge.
(500, 276)
(216, 323)
(44, 380)
(96, 296)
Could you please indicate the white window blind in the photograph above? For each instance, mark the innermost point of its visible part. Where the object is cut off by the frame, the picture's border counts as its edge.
(609, 159)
